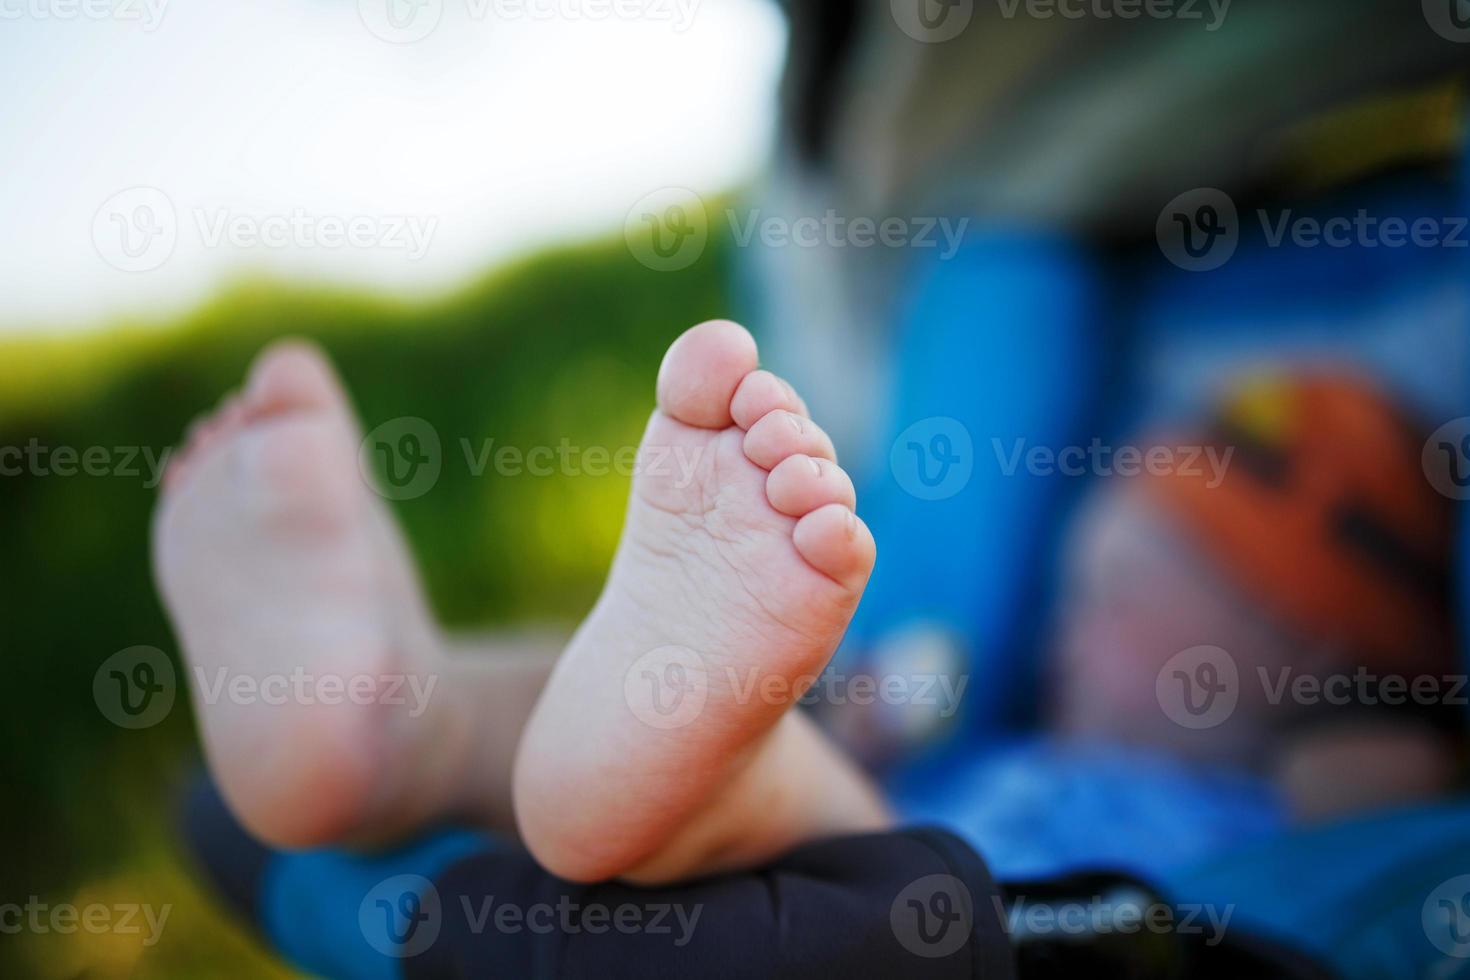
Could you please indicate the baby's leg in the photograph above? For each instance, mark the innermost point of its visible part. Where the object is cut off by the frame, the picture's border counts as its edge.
(798, 786)
(662, 746)
(285, 574)
(274, 559)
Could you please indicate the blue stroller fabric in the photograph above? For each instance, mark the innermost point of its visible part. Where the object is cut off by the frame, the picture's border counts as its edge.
(1402, 314)
(1386, 897)
(998, 343)
(1381, 897)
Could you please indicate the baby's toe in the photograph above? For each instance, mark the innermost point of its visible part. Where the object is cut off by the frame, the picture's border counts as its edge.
(701, 371)
(800, 484)
(761, 393)
(782, 433)
(291, 375)
(202, 436)
(227, 420)
(837, 543)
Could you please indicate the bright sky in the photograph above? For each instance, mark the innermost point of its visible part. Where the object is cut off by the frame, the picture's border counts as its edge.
(151, 149)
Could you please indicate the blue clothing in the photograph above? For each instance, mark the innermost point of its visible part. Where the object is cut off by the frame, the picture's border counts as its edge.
(1385, 896)
(1037, 809)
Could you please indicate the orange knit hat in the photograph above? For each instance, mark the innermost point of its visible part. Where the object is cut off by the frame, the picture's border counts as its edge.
(1324, 516)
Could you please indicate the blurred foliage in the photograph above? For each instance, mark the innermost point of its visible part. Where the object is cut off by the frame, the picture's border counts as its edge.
(562, 346)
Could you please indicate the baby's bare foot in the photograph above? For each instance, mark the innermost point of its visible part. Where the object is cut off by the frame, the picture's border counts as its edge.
(279, 566)
(740, 565)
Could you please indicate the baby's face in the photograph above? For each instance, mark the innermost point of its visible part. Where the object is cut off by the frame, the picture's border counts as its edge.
(1138, 591)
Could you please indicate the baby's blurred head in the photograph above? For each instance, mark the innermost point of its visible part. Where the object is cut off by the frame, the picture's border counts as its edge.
(1264, 618)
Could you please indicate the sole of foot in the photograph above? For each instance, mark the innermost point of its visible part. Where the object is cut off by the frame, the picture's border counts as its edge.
(741, 563)
(286, 581)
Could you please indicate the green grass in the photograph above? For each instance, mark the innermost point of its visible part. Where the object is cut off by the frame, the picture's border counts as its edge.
(561, 346)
